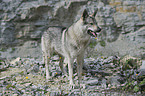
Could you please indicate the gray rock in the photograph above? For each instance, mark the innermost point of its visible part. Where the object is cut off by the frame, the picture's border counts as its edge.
(89, 61)
(103, 83)
(92, 82)
(23, 91)
(14, 62)
(114, 81)
(27, 84)
(56, 57)
(35, 68)
(34, 86)
(38, 94)
(86, 78)
(108, 60)
(142, 69)
(1, 94)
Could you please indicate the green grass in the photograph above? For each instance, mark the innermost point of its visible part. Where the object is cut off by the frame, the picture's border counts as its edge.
(2, 49)
(10, 85)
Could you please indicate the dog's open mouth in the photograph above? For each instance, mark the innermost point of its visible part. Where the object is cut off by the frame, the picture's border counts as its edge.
(92, 33)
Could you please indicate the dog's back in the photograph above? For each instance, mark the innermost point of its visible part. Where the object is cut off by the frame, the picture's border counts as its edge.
(51, 39)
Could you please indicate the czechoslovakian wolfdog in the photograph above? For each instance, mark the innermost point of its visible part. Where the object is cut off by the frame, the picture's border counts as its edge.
(69, 43)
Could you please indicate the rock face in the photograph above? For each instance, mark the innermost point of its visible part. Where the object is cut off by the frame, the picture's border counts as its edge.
(22, 22)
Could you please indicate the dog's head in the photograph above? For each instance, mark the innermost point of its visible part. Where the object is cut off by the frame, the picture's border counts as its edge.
(90, 23)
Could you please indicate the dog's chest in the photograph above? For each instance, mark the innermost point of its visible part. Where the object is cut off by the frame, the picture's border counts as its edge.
(78, 45)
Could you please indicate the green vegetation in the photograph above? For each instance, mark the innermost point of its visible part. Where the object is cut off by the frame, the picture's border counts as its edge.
(142, 48)
(142, 82)
(21, 73)
(13, 49)
(103, 43)
(92, 44)
(1, 61)
(2, 49)
(10, 85)
(135, 83)
(136, 89)
(130, 64)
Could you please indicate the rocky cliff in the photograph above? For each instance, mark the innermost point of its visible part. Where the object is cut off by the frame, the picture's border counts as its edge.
(22, 22)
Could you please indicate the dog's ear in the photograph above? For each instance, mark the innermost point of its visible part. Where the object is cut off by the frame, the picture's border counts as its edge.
(85, 14)
(95, 12)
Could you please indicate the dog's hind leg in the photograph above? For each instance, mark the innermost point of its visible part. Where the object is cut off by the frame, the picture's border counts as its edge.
(47, 61)
(70, 67)
(46, 56)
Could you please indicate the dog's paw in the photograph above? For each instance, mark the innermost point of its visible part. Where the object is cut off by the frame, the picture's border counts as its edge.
(49, 80)
(74, 86)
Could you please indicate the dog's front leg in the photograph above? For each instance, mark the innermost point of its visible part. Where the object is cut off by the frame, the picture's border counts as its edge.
(70, 67)
(61, 64)
(80, 61)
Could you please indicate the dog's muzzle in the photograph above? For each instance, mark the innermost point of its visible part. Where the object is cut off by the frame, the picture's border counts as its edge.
(94, 33)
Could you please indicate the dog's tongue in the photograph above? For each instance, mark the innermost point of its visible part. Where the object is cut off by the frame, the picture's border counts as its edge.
(94, 34)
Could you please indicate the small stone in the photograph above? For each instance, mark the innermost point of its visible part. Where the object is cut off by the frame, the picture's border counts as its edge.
(14, 62)
(37, 94)
(84, 86)
(15, 94)
(27, 84)
(34, 86)
(55, 58)
(114, 81)
(23, 91)
(104, 83)
(142, 67)
(86, 78)
(35, 68)
(92, 82)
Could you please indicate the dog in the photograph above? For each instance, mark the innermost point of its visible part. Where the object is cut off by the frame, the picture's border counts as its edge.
(69, 43)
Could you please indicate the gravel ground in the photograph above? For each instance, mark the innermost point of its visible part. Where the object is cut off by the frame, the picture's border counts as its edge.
(26, 77)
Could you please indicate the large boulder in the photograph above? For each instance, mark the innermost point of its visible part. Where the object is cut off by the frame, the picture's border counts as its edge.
(127, 44)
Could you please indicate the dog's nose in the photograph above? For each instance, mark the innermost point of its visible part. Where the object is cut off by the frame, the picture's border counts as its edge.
(98, 29)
